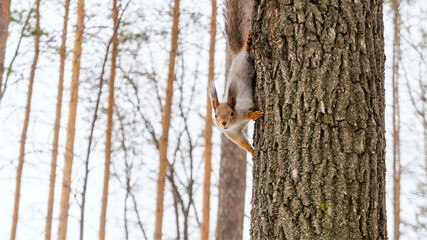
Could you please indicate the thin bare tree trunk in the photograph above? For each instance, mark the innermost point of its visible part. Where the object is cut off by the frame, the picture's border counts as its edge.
(92, 129)
(125, 215)
(138, 217)
(26, 122)
(175, 206)
(71, 127)
(4, 26)
(396, 119)
(109, 123)
(208, 131)
(128, 185)
(62, 52)
(128, 170)
(163, 147)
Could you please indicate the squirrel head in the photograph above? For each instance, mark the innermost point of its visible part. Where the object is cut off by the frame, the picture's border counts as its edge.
(225, 113)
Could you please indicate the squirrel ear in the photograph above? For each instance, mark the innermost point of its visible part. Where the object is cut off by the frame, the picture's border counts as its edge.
(232, 95)
(213, 96)
(231, 101)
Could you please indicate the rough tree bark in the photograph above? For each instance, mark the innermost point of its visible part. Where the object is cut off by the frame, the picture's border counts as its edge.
(114, 53)
(4, 26)
(71, 127)
(396, 118)
(232, 183)
(166, 118)
(62, 52)
(319, 167)
(208, 131)
(37, 34)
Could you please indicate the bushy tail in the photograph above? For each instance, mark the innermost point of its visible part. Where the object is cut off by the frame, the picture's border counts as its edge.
(236, 14)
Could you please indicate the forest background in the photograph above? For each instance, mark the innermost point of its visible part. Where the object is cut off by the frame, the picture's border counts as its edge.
(142, 70)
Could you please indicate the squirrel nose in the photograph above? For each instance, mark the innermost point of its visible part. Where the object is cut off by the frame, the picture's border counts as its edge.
(223, 123)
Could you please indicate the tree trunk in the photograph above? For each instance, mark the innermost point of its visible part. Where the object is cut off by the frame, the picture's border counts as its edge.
(109, 122)
(62, 52)
(396, 119)
(208, 131)
(71, 127)
(319, 167)
(232, 187)
(166, 118)
(4, 26)
(37, 34)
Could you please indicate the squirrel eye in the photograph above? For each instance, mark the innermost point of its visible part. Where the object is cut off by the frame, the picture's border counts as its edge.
(215, 115)
(232, 114)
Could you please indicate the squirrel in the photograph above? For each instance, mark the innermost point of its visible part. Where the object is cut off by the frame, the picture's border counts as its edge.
(232, 115)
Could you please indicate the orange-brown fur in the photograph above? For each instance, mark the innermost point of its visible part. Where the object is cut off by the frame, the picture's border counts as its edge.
(254, 115)
(248, 42)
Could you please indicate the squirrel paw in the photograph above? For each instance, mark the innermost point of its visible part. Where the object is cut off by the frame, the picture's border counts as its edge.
(248, 42)
(254, 115)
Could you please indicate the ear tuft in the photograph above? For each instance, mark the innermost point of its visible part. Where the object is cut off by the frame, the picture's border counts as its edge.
(232, 95)
(213, 96)
(232, 102)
